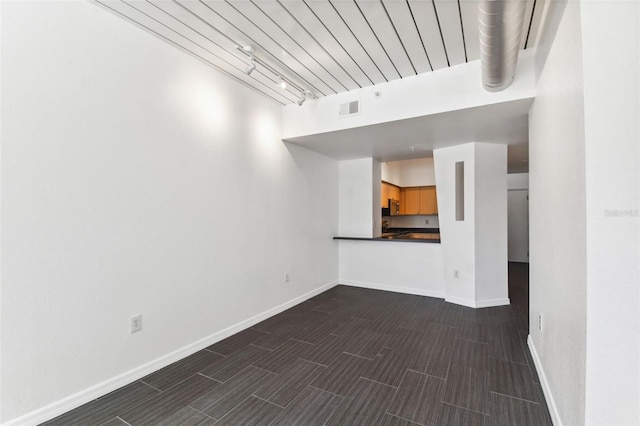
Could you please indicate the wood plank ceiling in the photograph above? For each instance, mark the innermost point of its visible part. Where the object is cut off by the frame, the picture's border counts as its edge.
(324, 46)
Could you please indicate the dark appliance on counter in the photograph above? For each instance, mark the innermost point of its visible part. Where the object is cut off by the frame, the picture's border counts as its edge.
(393, 209)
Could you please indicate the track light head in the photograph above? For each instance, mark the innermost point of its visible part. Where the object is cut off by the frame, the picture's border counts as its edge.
(304, 95)
(282, 83)
(252, 66)
(249, 69)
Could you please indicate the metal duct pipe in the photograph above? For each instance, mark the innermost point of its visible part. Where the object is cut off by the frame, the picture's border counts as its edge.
(500, 24)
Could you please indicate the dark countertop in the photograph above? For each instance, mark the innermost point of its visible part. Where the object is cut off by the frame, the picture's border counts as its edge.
(405, 235)
(420, 230)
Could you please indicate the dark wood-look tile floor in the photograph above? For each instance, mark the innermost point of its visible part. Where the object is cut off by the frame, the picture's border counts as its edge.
(349, 356)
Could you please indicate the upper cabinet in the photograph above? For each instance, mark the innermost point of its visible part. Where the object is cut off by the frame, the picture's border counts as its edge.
(428, 200)
(389, 191)
(418, 200)
(411, 200)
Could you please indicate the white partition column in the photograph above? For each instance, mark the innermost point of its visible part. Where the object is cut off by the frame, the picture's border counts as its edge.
(472, 204)
(359, 198)
(491, 225)
(457, 237)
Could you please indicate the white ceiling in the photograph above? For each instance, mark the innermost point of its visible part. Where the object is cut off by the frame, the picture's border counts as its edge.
(326, 46)
(505, 123)
(333, 46)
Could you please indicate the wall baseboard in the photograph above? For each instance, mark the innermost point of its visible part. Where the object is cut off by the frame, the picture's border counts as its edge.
(488, 303)
(546, 390)
(470, 303)
(76, 400)
(387, 287)
(429, 293)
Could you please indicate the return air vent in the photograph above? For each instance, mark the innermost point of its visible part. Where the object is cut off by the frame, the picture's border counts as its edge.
(349, 108)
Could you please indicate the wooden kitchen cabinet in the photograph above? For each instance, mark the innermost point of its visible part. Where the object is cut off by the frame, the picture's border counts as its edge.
(411, 200)
(394, 192)
(428, 200)
(384, 195)
(388, 191)
(417, 200)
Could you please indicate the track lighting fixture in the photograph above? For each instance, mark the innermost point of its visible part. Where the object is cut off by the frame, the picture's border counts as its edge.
(285, 83)
(304, 95)
(249, 69)
(252, 66)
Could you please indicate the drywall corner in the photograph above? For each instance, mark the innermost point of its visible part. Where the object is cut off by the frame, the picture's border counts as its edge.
(355, 182)
(490, 216)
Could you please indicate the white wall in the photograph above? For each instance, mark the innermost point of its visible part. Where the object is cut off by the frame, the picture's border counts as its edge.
(517, 181)
(477, 246)
(557, 224)
(552, 14)
(457, 237)
(390, 173)
(414, 221)
(376, 190)
(612, 161)
(449, 89)
(416, 172)
(413, 268)
(584, 252)
(135, 179)
(356, 215)
(518, 217)
(518, 225)
(491, 223)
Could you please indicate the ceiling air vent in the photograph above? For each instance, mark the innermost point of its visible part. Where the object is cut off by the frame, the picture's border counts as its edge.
(349, 108)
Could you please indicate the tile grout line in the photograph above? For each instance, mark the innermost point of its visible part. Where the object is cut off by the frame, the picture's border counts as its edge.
(201, 412)
(182, 381)
(506, 360)
(359, 356)
(470, 340)
(375, 381)
(269, 402)
(203, 375)
(313, 362)
(124, 421)
(403, 418)
(301, 341)
(217, 353)
(260, 368)
(515, 397)
(151, 386)
(465, 408)
(324, 390)
(228, 412)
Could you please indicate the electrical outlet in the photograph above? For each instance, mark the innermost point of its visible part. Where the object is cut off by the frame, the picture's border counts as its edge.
(136, 323)
(540, 322)
(287, 277)
(426, 221)
(456, 273)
